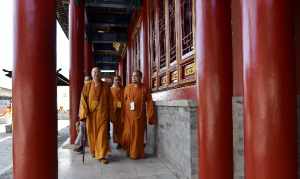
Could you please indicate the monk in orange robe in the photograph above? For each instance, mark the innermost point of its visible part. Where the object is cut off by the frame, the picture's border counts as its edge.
(95, 110)
(117, 92)
(138, 110)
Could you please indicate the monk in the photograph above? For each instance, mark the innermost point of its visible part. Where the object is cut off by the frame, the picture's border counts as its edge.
(138, 110)
(117, 92)
(95, 110)
(80, 126)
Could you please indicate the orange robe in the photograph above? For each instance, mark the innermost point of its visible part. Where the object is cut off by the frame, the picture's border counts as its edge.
(117, 95)
(135, 121)
(95, 105)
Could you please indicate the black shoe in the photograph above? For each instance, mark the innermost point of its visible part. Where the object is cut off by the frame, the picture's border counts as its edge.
(119, 146)
(79, 149)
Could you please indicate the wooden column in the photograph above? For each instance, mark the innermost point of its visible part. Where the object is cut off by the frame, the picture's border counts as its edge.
(34, 91)
(76, 28)
(88, 58)
(121, 68)
(214, 87)
(145, 45)
(128, 65)
(269, 89)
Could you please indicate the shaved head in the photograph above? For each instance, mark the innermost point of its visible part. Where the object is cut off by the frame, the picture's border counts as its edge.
(117, 81)
(96, 74)
(137, 77)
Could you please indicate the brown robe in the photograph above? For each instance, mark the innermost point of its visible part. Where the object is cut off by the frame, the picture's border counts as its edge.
(135, 121)
(117, 95)
(95, 105)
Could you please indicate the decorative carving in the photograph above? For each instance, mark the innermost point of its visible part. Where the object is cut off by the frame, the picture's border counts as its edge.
(154, 82)
(174, 76)
(163, 80)
(189, 70)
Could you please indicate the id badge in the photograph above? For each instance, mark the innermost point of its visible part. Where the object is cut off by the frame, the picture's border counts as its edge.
(119, 104)
(132, 106)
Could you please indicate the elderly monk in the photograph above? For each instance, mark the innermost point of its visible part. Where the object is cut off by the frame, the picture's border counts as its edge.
(80, 126)
(117, 92)
(95, 109)
(138, 109)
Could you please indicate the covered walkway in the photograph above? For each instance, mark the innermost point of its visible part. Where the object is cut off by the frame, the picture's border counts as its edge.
(120, 167)
(224, 76)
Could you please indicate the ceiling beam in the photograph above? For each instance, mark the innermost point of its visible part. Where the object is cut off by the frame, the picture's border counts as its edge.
(106, 52)
(109, 4)
(117, 24)
(109, 37)
(107, 59)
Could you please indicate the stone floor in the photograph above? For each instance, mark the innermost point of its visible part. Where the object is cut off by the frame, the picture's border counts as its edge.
(6, 148)
(120, 167)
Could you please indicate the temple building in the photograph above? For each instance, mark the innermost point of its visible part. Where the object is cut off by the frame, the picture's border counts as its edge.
(224, 76)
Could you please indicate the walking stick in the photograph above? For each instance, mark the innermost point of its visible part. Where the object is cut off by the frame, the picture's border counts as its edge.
(83, 141)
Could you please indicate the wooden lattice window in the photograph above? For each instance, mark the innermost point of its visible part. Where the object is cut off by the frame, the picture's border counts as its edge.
(172, 30)
(173, 67)
(153, 40)
(136, 58)
(187, 26)
(138, 51)
(162, 34)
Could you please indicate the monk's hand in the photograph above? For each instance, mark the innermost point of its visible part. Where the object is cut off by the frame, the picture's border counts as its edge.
(83, 120)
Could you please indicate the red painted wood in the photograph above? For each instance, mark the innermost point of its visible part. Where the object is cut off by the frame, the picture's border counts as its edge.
(269, 89)
(145, 45)
(297, 42)
(128, 64)
(214, 78)
(188, 93)
(120, 67)
(236, 20)
(76, 28)
(34, 91)
(88, 58)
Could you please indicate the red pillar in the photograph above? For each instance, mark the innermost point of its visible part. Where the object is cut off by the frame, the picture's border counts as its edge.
(34, 91)
(88, 58)
(269, 89)
(76, 28)
(145, 45)
(214, 78)
(124, 69)
(128, 65)
(120, 67)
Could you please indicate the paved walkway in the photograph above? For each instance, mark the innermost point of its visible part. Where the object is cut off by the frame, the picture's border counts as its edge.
(5, 153)
(6, 148)
(120, 167)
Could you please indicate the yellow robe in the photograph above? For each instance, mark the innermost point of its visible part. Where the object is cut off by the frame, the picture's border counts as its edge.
(95, 104)
(117, 95)
(135, 121)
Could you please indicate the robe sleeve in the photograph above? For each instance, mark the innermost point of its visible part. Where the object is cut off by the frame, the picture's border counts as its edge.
(83, 107)
(110, 103)
(150, 112)
(124, 104)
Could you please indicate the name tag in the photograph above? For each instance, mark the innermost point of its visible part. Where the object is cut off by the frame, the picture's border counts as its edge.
(132, 106)
(119, 104)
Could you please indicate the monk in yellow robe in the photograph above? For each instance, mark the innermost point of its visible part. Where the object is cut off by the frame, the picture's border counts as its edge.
(117, 92)
(138, 110)
(95, 110)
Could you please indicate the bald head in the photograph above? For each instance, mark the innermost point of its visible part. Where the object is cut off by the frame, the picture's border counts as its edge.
(137, 77)
(117, 81)
(87, 79)
(96, 74)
